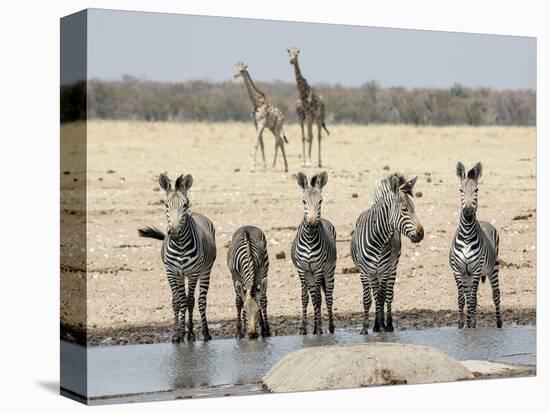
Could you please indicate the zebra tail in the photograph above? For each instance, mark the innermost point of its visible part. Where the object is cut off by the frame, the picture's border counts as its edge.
(152, 233)
(325, 128)
(483, 278)
(284, 137)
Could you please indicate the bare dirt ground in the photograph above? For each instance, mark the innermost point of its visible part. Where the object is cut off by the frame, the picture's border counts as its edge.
(128, 297)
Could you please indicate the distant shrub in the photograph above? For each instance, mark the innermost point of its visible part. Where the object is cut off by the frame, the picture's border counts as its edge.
(198, 100)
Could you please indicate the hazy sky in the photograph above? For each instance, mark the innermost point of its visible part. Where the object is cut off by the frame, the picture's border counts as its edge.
(172, 47)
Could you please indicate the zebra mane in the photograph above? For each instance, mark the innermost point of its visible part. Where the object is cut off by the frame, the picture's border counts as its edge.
(384, 187)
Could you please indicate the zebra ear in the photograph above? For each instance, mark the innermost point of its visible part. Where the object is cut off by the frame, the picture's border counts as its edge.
(184, 183)
(321, 180)
(164, 183)
(460, 171)
(395, 183)
(408, 186)
(476, 172)
(239, 289)
(302, 180)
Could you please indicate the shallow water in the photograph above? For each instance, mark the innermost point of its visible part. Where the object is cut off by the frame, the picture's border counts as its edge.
(129, 369)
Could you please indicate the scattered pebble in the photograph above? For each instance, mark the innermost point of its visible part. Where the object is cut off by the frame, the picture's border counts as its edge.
(354, 195)
(418, 194)
(280, 256)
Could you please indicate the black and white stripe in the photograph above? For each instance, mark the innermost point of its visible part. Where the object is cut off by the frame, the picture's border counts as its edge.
(376, 245)
(474, 250)
(248, 263)
(188, 251)
(314, 253)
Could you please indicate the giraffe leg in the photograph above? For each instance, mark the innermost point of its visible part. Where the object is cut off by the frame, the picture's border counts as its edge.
(258, 140)
(303, 142)
(276, 151)
(319, 126)
(263, 150)
(309, 140)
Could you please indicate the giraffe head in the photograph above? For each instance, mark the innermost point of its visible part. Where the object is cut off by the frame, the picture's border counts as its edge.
(240, 69)
(293, 52)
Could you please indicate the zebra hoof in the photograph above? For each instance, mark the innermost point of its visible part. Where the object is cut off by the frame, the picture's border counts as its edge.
(376, 328)
(389, 328)
(364, 331)
(206, 336)
(190, 337)
(331, 329)
(460, 325)
(499, 324)
(176, 339)
(303, 331)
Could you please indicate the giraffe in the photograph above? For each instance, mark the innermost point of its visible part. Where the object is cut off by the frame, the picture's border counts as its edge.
(265, 115)
(309, 107)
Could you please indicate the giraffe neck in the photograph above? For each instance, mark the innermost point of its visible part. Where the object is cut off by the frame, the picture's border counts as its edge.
(303, 87)
(256, 96)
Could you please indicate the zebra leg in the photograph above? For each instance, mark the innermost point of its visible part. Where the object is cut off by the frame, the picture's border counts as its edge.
(317, 301)
(496, 293)
(378, 317)
(174, 280)
(473, 301)
(239, 305)
(468, 296)
(328, 289)
(204, 282)
(367, 300)
(191, 306)
(461, 300)
(263, 317)
(305, 301)
(389, 299)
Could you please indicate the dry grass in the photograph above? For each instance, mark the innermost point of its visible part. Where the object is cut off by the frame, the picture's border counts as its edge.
(126, 281)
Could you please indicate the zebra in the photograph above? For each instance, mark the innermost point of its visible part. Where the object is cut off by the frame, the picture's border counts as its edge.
(314, 253)
(188, 251)
(376, 245)
(248, 263)
(474, 250)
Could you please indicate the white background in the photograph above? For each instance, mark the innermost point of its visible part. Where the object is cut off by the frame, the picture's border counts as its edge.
(29, 207)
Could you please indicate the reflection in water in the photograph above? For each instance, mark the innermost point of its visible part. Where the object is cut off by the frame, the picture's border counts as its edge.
(131, 369)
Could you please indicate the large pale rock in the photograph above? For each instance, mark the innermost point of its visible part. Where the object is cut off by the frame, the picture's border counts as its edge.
(488, 369)
(362, 365)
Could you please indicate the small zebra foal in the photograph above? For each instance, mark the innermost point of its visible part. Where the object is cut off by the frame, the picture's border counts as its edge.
(474, 250)
(376, 245)
(248, 263)
(314, 253)
(188, 251)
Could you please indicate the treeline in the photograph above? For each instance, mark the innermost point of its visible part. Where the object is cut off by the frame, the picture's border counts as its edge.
(199, 100)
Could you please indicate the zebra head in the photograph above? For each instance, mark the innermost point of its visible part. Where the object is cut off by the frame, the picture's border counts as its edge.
(177, 201)
(468, 189)
(403, 216)
(251, 305)
(240, 69)
(312, 196)
(293, 52)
